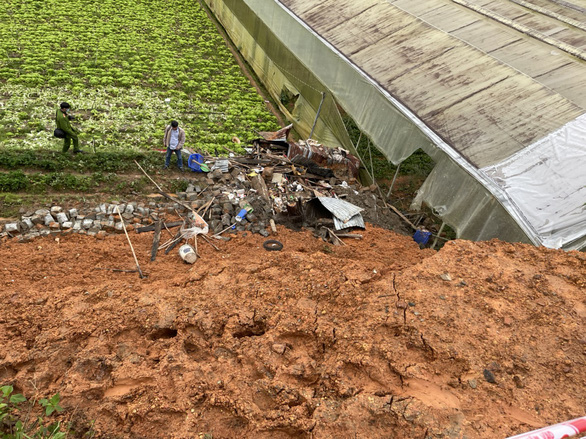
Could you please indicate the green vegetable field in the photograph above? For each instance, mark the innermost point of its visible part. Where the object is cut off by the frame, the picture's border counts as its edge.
(127, 67)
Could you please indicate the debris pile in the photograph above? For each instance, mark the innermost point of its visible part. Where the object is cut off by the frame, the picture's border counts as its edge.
(276, 181)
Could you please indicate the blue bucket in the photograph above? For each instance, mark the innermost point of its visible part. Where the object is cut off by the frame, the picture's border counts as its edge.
(192, 162)
(421, 237)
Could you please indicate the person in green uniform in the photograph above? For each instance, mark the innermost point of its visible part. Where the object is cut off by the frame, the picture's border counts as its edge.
(62, 119)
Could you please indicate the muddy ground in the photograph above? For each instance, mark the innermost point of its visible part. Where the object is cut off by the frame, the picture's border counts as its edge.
(373, 339)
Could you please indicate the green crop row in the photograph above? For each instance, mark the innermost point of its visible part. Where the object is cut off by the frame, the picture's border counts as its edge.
(127, 68)
(55, 161)
(18, 181)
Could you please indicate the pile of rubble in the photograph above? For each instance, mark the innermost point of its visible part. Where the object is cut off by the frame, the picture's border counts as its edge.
(276, 182)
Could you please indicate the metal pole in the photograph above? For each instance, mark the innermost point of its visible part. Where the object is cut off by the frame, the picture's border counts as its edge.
(438, 235)
(394, 178)
(358, 143)
(323, 97)
(370, 155)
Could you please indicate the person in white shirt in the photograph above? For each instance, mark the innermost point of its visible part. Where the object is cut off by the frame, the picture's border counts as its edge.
(173, 141)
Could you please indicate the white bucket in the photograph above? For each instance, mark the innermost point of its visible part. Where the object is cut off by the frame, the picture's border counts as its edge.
(187, 254)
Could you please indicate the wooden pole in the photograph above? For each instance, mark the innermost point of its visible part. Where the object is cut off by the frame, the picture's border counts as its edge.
(206, 239)
(163, 193)
(130, 243)
(438, 235)
(156, 239)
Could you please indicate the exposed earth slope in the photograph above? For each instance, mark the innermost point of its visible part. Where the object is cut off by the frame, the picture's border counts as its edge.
(373, 339)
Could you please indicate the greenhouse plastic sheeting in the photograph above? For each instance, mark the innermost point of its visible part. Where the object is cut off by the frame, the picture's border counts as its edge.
(474, 214)
(282, 73)
(275, 62)
(289, 56)
(555, 207)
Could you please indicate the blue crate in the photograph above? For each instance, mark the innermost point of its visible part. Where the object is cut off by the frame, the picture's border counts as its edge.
(421, 237)
(192, 162)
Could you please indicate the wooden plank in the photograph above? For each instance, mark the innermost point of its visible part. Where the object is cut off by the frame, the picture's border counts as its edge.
(153, 226)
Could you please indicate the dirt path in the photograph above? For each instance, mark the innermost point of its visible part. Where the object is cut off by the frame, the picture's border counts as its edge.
(373, 339)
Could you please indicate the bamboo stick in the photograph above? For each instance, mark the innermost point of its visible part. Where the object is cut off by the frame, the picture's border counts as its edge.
(130, 243)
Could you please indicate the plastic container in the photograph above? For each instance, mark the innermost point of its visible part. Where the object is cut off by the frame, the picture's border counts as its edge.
(187, 254)
(193, 160)
(421, 237)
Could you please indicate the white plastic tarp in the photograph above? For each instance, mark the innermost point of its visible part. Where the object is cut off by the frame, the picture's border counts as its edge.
(547, 182)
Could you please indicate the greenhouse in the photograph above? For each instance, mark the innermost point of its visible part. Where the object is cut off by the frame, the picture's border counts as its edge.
(493, 92)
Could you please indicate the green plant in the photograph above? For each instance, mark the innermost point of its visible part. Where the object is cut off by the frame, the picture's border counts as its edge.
(51, 405)
(11, 199)
(17, 422)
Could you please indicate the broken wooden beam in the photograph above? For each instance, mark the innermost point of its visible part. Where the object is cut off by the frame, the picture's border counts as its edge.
(156, 239)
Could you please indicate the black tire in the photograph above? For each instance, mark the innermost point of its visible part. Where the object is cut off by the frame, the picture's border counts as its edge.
(272, 245)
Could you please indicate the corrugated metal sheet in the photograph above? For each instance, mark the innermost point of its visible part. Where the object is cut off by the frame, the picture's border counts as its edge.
(345, 214)
(475, 101)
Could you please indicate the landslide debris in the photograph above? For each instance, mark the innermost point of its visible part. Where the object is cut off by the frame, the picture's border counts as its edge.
(375, 338)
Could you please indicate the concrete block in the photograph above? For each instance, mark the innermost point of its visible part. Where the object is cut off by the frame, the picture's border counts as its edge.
(61, 217)
(12, 228)
(26, 224)
(48, 219)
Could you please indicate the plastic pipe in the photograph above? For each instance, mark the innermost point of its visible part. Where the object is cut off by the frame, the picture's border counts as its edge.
(558, 431)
